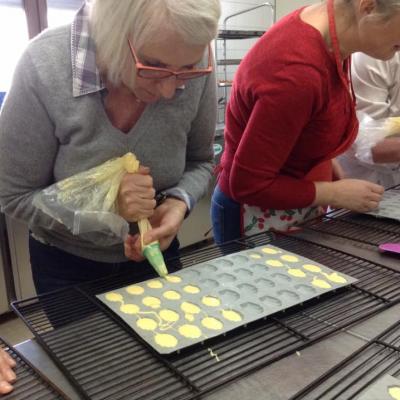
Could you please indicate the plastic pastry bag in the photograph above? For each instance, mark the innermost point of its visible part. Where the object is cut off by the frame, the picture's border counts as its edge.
(371, 132)
(86, 204)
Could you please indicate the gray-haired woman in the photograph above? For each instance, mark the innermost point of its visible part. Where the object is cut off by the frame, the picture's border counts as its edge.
(126, 75)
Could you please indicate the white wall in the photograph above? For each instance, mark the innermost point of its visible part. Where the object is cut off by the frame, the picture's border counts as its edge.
(259, 19)
(284, 7)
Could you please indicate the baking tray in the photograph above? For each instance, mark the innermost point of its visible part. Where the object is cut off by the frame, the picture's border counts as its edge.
(215, 297)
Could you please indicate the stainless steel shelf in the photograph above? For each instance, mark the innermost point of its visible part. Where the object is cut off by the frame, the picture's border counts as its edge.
(238, 34)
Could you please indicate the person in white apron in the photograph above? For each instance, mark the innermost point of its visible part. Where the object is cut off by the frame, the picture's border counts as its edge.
(292, 111)
(373, 156)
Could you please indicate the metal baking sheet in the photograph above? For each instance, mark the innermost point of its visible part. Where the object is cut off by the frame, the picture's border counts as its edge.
(389, 207)
(385, 388)
(214, 297)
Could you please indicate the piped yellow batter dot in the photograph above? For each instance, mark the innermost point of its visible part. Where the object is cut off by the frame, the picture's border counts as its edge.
(189, 317)
(231, 315)
(169, 315)
(335, 277)
(155, 284)
(212, 323)
(114, 297)
(269, 250)
(312, 268)
(255, 256)
(190, 331)
(211, 301)
(274, 263)
(165, 340)
(296, 272)
(289, 258)
(190, 308)
(320, 283)
(147, 324)
(152, 302)
(173, 279)
(191, 289)
(171, 295)
(135, 290)
(129, 309)
(394, 391)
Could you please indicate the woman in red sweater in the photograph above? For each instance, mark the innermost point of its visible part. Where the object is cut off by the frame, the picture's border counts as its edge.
(291, 111)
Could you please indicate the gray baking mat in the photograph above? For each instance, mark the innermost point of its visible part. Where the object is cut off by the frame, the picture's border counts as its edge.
(385, 388)
(389, 207)
(214, 297)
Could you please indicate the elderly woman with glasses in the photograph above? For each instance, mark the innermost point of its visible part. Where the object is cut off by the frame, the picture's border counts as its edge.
(127, 75)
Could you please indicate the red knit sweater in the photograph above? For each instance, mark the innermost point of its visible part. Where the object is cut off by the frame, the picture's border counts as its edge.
(289, 114)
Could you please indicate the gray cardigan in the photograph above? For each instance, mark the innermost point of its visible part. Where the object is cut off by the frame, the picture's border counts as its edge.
(46, 135)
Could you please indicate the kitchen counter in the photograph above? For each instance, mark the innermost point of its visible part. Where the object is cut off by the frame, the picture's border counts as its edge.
(279, 381)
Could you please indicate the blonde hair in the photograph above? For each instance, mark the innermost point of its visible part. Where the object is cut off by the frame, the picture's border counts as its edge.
(113, 21)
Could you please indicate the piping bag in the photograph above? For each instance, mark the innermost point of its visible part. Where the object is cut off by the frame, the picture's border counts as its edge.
(151, 251)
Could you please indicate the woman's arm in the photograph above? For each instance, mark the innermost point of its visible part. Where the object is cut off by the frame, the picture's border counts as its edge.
(28, 146)
(199, 151)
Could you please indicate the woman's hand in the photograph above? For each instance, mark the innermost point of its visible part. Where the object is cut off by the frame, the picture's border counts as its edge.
(136, 196)
(351, 194)
(7, 375)
(166, 221)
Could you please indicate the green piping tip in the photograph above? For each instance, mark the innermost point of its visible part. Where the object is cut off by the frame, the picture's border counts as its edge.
(153, 254)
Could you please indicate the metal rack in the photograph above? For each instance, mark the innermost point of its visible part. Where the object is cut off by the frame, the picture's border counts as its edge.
(349, 378)
(97, 351)
(224, 35)
(362, 228)
(30, 384)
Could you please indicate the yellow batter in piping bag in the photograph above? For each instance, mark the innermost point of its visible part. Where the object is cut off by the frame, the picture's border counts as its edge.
(152, 250)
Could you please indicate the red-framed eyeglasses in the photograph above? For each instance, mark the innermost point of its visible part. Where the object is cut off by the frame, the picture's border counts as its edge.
(147, 72)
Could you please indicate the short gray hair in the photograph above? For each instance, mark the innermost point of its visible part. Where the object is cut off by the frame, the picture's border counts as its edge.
(113, 21)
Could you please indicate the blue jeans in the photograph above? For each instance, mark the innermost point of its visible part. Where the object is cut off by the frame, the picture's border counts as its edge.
(225, 217)
(53, 268)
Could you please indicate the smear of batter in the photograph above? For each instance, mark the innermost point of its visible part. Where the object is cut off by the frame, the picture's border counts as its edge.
(312, 268)
(255, 256)
(135, 290)
(171, 295)
(173, 278)
(129, 309)
(114, 297)
(335, 277)
(231, 315)
(274, 263)
(269, 250)
(152, 302)
(165, 340)
(320, 283)
(289, 258)
(297, 272)
(191, 289)
(394, 391)
(190, 331)
(189, 317)
(211, 301)
(212, 323)
(155, 284)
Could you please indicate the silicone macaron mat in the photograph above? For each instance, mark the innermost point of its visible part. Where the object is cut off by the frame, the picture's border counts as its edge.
(389, 207)
(214, 297)
(385, 388)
